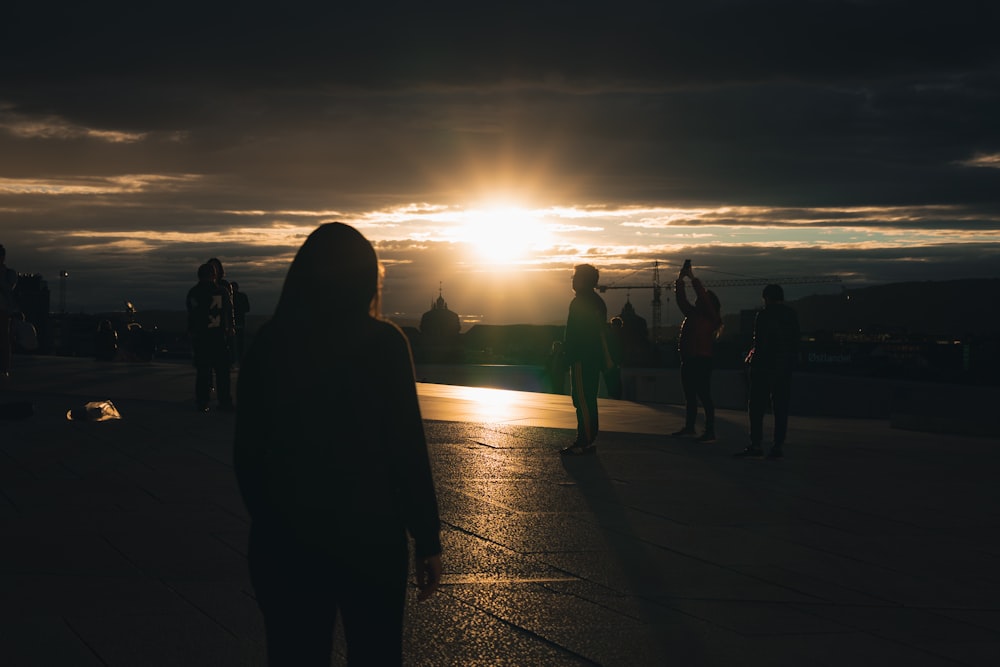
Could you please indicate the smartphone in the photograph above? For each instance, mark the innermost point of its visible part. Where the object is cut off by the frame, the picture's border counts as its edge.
(687, 266)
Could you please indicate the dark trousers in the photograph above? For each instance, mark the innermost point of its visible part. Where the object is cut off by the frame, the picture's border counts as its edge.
(696, 380)
(211, 356)
(774, 388)
(300, 590)
(586, 382)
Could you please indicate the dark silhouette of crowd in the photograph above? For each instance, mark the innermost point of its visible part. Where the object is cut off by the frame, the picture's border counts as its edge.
(594, 348)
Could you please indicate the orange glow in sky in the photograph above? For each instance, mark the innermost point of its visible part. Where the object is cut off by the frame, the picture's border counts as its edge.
(503, 234)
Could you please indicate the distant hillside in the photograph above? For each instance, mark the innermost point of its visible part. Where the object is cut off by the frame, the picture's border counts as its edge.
(175, 321)
(514, 343)
(953, 307)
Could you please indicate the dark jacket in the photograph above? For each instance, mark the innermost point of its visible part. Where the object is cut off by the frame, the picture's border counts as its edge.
(8, 281)
(701, 322)
(241, 306)
(586, 327)
(775, 338)
(230, 322)
(330, 444)
(209, 309)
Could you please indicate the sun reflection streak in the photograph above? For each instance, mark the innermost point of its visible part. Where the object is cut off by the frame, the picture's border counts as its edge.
(489, 405)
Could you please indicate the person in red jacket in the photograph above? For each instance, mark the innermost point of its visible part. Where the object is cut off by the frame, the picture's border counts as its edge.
(701, 326)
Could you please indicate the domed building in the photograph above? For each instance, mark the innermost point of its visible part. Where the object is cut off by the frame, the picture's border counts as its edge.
(439, 332)
(635, 337)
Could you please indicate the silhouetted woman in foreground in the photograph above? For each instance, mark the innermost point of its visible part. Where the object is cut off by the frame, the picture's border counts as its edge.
(332, 462)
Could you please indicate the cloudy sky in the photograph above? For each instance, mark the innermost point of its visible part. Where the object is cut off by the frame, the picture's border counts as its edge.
(489, 147)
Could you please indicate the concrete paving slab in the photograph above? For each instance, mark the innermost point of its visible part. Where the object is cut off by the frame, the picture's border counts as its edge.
(163, 640)
(833, 590)
(230, 605)
(60, 553)
(833, 650)
(471, 636)
(474, 559)
(43, 641)
(46, 594)
(694, 642)
(760, 619)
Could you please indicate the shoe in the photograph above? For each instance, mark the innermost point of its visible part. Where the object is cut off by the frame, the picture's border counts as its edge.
(683, 433)
(775, 453)
(707, 436)
(577, 449)
(751, 452)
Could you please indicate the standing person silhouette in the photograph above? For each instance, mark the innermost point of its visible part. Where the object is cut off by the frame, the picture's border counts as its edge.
(8, 281)
(332, 463)
(696, 343)
(586, 351)
(209, 309)
(227, 289)
(772, 359)
(616, 350)
(241, 306)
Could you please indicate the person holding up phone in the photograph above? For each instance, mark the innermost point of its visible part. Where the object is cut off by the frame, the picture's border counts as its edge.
(701, 326)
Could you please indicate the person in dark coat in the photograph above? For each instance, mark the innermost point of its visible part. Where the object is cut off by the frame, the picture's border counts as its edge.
(209, 311)
(241, 306)
(772, 359)
(332, 463)
(227, 288)
(586, 352)
(8, 281)
(106, 342)
(616, 350)
(696, 345)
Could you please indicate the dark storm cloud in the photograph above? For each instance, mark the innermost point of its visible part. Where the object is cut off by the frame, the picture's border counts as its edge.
(856, 265)
(169, 118)
(810, 103)
(775, 144)
(471, 43)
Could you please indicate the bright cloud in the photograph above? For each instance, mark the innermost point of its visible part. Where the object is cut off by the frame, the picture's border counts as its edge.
(56, 128)
(96, 185)
(989, 160)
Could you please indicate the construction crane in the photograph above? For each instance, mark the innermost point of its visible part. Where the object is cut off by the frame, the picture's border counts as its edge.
(657, 287)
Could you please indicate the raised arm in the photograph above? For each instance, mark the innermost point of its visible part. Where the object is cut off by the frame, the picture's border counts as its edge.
(682, 299)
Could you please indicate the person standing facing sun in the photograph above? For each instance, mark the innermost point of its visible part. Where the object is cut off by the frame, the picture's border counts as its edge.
(585, 348)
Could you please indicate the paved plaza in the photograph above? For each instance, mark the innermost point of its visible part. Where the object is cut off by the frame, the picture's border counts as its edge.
(124, 542)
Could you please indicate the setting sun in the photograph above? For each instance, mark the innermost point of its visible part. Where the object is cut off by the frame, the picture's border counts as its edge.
(503, 235)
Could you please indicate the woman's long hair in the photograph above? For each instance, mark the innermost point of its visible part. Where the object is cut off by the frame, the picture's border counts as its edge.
(335, 276)
(713, 299)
